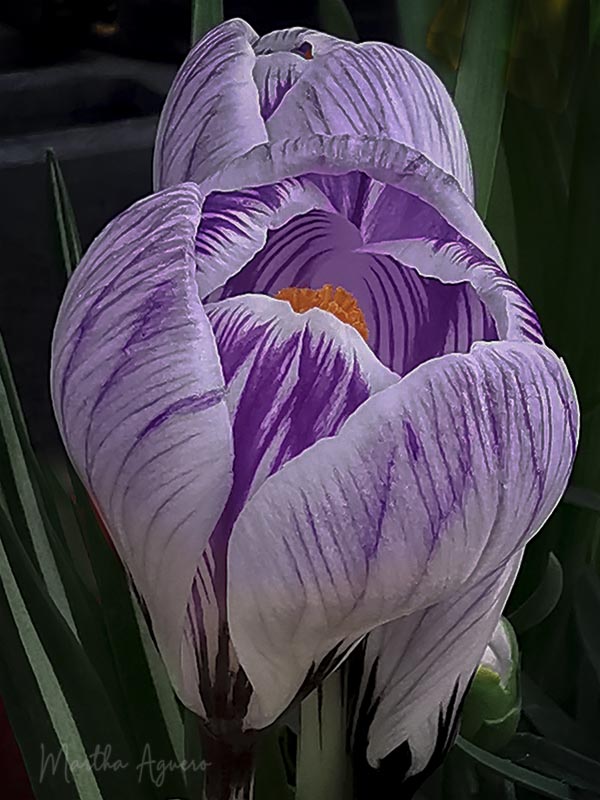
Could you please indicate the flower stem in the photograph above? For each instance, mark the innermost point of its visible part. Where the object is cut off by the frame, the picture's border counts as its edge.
(230, 765)
(322, 764)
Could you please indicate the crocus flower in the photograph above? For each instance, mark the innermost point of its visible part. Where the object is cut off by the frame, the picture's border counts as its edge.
(307, 398)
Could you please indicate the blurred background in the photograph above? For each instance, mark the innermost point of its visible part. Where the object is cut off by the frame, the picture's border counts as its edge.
(88, 78)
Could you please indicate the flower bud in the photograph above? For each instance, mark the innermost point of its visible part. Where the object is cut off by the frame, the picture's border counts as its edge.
(493, 703)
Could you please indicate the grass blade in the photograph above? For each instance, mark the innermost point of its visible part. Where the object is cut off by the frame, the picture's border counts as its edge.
(547, 787)
(555, 761)
(322, 760)
(542, 602)
(25, 502)
(77, 706)
(481, 87)
(70, 243)
(205, 15)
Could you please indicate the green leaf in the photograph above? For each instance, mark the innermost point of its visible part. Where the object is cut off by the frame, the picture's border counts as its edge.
(548, 787)
(141, 700)
(22, 495)
(79, 710)
(587, 614)
(480, 91)
(542, 602)
(335, 19)
(322, 765)
(500, 218)
(594, 20)
(70, 243)
(30, 509)
(205, 15)
(555, 761)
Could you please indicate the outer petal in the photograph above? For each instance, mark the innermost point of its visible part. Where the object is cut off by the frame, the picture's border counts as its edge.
(282, 57)
(432, 484)
(212, 111)
(291, 379)
(377, 90)
(138, 393)
(409, 678)
(292, 40)
(380, 158)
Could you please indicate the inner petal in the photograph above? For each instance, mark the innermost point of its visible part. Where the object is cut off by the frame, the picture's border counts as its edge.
(410, 318)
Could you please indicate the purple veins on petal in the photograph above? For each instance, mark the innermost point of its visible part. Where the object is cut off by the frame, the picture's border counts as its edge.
(185, 405)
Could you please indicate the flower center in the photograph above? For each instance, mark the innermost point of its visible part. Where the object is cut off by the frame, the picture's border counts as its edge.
(337, 301)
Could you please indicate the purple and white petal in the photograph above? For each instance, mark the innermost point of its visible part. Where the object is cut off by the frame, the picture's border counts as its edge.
(376, 90)
(409, 678)
(212, 112)
(139, 396)
(430, 485)
(234, 225)
(456, 262)
(410, 317)
(291, 379)
(383, 160)
(294, 40)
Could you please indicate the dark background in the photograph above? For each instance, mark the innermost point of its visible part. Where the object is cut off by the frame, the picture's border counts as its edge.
(88, 78)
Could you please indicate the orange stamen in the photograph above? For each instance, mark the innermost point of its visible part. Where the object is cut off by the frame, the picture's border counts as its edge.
(337, 301)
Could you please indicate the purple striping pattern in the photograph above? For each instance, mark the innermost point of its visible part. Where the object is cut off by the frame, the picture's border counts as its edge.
(277, 486)
(410, 318)
(298, 390)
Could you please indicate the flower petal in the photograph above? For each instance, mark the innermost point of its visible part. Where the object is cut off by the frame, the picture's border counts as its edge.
(410, 317)
(292, 40)
(234, 225)
(282, 57)
(138, 393)
(457, 262)
(377, 90)
(381, 159)
(430, 485)
(408, 679)
(291, 379)
(212, 111)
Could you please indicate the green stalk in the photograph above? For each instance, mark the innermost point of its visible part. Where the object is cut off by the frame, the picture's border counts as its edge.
(480, 91)
(205, 15)
(322, 758)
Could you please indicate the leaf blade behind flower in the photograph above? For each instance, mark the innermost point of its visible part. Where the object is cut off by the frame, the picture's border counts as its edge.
(205, 15)
(481, 88)
(69, 698)
(70, 242)
(548, 787)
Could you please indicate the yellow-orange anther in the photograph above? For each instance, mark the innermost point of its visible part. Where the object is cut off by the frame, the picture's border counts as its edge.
(337, 301)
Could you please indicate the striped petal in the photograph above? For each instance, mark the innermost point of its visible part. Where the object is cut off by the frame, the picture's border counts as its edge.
(410, 317)
(291, 379)
(408, 679)
(378, 189)
(138, 393)
(431, 485)
(234, 225)
(212, 111)
(376, 90)
(379, 158)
